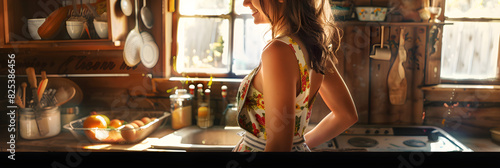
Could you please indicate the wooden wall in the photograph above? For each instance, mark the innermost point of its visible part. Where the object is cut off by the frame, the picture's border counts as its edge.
(465, 108)
(367, 78)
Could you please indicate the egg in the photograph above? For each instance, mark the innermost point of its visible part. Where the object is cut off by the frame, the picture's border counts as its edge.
(146, 120)
(139, 123)
(134, 125)
(128, 132)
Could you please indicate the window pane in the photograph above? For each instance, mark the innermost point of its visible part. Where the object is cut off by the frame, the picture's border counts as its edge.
(204, 7)
(203, 45)
(473, 9)
(240, 9)
(470, 50)
(249, 40)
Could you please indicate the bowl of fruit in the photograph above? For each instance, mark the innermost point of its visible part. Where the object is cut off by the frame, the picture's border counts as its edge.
(116, 126)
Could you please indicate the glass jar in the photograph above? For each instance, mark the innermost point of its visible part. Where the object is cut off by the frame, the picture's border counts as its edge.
(180, 106)
(69, 114)
(51, 116)
(204, 116)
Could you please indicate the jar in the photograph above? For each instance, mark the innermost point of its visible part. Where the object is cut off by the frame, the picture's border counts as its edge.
(68, 114)
(180, 106)
(204, 117)
(51, 116)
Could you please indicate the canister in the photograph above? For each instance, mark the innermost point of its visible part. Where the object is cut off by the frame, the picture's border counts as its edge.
(180, 106)
(29, 127)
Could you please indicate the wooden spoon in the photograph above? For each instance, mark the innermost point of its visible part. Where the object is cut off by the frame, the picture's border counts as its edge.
(24, 85)
(63, 95)
(42, 87)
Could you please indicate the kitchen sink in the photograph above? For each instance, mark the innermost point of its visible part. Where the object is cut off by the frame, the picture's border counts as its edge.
(196, 139)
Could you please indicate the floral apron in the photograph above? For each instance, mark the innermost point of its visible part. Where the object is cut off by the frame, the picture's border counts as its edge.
(251, 113)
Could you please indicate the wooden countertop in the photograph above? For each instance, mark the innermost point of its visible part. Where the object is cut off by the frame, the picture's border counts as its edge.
(66, 142)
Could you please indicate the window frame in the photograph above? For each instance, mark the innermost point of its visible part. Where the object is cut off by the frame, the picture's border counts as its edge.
(231, 16)
(495, 81)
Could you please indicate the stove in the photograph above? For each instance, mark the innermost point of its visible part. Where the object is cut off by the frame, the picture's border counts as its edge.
(371, 138)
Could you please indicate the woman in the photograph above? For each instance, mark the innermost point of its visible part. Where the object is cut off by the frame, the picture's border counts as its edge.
(296, 64)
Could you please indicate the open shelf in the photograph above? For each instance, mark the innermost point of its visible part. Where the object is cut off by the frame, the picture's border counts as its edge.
(389, 24)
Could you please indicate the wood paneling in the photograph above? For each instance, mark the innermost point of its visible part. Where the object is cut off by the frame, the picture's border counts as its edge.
(463, 93)
(416, 58)
(472, 120)
(356, 46)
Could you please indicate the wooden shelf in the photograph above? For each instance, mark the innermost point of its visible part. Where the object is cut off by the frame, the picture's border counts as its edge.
(14, 30)
(389, 24)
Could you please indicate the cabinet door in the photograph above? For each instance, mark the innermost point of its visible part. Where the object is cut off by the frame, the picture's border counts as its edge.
(19, 25)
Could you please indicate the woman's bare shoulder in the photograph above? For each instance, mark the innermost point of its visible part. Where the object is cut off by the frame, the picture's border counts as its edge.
(277, 49)
(279, 57)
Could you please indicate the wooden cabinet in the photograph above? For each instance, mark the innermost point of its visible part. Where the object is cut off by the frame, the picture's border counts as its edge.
(14, 32)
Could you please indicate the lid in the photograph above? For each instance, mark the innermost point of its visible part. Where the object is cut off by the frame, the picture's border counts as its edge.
(44, 110)
(181, 94)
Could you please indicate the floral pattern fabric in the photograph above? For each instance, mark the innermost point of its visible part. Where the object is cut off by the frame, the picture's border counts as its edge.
(251, 105)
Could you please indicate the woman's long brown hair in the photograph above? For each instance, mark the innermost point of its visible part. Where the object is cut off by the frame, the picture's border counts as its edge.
(312, 23)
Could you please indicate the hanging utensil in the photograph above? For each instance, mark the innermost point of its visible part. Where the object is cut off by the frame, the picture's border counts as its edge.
(133, 43)
(126, 6)
(396, 80)
(147, 16)
(381, 51)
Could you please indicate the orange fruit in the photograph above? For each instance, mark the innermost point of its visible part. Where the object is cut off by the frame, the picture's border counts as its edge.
(105, 118)
(94, 121)
(202, 112)
(115, 123)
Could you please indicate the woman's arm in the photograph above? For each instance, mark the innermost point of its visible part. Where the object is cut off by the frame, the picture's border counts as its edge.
(279, 78)
(336, 96)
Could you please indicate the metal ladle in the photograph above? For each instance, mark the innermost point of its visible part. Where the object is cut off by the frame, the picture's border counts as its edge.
(147, 16)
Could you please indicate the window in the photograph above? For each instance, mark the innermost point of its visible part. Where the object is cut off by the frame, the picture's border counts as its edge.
(217, 37)
(470, 52)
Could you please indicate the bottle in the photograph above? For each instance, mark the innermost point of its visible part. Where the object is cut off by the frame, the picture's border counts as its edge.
(205, 115)
(180, 105)
(191, 89)
(199, 101)
(224, 95)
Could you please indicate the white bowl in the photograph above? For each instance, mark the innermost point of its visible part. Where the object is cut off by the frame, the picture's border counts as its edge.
(101, 27)
(75, 28)
(33, 25)
(371, 13)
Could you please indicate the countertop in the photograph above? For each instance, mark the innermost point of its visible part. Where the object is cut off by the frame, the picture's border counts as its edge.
(65, 142)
